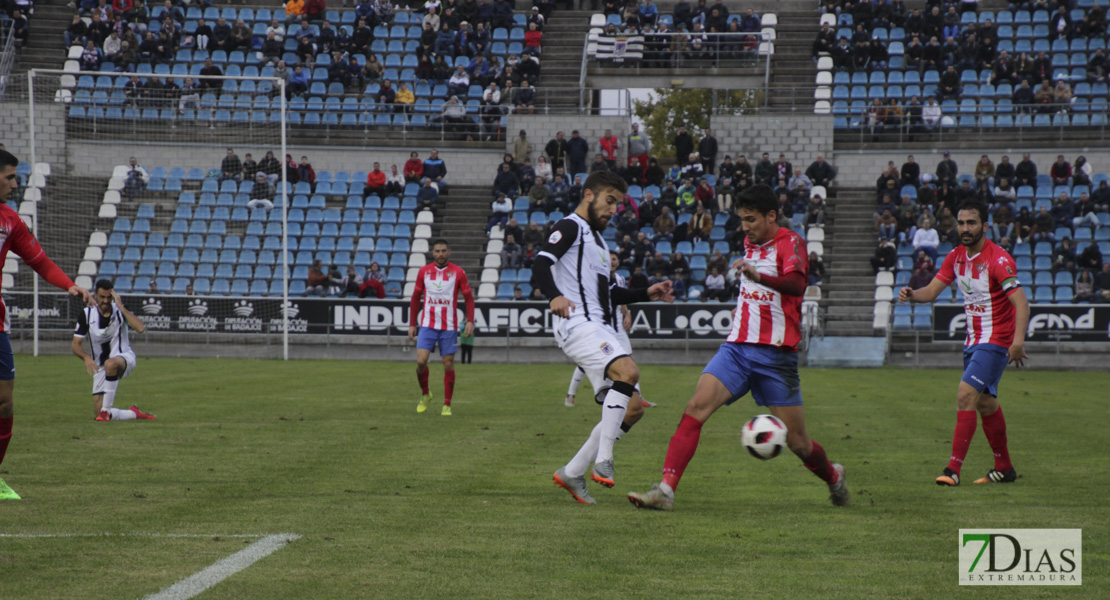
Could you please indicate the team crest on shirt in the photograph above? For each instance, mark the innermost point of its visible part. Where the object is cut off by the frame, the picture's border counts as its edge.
(607, 349)
(554, 237)
(980, 268)
(1009, 270)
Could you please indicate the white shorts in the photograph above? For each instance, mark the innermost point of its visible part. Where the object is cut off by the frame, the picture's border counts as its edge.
(622, 337)
(101, 375)
(593, 347)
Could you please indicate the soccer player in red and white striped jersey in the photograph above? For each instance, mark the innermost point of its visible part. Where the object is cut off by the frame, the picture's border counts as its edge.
(760, 354)
(438, 286)
(16, 238)
(997, 314)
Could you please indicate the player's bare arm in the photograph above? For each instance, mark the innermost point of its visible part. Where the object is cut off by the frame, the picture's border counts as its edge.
(134, 322)
(626, 319)
(664, 290)
(1021, 314)
(83, 294)
(561, 307)
(925, 294)
(79, 352)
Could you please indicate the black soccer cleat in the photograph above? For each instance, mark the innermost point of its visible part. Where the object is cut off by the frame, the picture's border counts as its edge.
(950, 478)
(996, 476)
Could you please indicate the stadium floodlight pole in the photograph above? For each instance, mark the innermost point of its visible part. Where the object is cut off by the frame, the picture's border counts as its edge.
(284, 233)
(35, 213)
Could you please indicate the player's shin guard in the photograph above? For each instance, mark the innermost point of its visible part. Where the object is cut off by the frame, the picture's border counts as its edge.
(819, 464)
(612, 413)
(111, 384)
(994, 426)
(422, 378)
(5, 435)
(684, 443)
(961, 439)
(581, 461)
(448, 386)
(575, 381)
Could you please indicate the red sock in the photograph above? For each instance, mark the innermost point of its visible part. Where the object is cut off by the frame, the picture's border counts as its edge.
(819, 464)
(448, 386)
(684, 443)
(422, 377)
(5, 436)
(995, 428)
(961, 439)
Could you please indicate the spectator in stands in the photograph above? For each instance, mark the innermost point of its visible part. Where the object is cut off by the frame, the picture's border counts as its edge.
(886, 256)
(683, 146)
(436, 170)
(501, 209)
(815, 211)
(21, 28)
(404, 99)
(639, 147)
(414, 168)
(608, 147)
(511, 253)
(262, 193)
(820, 172)
(984, 170)
(1044, 227)
(947, 170)
(922, 275)
(427, 196)
(700, 225)
(664, 226)
(556, 150)
(1023, 98)
(654, 174)
(513, 228)
(1004, 192)
(1026, 172)
(1004, 170)
(90, 58)
(765, 171)
(272, 49)
(305, 172)
(394, 182)
(1081, 171)
(1003, 225)
(1090, 259)
(911, 172)
(1062, 96)
(931, 114)
(112, 46)
(386, 97)
(231, 167)
(887, 226)
(270, 167)
(783, 168)
(1084, 288)
(1060, 172)
(964, 192)
(1102, 283)
(816, 269)
(825, 42)
(725, 192)
(522, 147)
(1086, 212)
(453, 113)
(318, 281)
(926, 239)
(715, 286)
(1063, 257)
(375, 182)
(506, 183)
(136, 178)
(75, 33)
(1045, 98)
(544, 173)
(207, 72)
(250, 167)
(707, 151)
(1063, 210)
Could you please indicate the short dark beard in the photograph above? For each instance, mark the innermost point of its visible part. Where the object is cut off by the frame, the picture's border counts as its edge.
(974, 239)
(593, 219)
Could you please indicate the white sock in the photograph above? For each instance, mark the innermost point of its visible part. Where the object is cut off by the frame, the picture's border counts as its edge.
(612, 414)
(581, 461)
(575, 381)
(110, 386)
(121, 414)
(666, 489)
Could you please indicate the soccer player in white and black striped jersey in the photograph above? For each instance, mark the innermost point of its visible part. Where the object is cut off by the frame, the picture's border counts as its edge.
(106, 328)
(572, 271)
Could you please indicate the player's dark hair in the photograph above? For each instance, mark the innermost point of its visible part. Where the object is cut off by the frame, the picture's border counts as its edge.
(7, 159)
(104, 284)
(976, 205)
(440, 241)
(602, 180)
(760, 198)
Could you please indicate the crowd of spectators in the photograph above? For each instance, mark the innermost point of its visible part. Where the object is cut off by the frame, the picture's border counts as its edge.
(918, 209)
(684, 203)
(696, 34)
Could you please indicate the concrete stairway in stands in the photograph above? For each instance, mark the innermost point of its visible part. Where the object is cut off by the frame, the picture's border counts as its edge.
(792, 66)
(462, 222)
(849, 292)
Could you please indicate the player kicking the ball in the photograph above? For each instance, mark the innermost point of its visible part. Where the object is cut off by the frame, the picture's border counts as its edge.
(438, 286)
(760, 354)
(997, 314)
(16, 238)
(106, 327)
(622, 322)
(572, 271)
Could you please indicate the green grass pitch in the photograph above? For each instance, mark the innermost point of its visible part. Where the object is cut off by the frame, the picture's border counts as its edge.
(392, 504)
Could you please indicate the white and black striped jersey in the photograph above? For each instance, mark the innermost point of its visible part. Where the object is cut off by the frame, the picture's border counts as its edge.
(616, 318)
(580, 271)
(107, 334)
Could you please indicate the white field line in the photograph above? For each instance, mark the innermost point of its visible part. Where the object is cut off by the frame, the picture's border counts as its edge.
(220, 570)
(201, 581)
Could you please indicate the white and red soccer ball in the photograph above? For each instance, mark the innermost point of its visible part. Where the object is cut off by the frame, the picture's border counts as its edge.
(764, 436)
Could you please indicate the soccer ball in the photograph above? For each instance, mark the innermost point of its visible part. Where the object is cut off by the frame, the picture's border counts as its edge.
(764, 436)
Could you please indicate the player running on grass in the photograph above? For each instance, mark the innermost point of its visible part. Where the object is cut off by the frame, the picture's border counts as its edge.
(106, 327)
(760, 354)
(621, 323)
(15, 237)
(997, 314)
(438, 286)
(572, 271)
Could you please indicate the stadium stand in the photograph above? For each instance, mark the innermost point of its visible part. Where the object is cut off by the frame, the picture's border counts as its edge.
(186, 230)
(684, 39)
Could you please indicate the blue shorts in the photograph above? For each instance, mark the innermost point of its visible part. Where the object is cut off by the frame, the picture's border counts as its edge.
(769, 373)
(983, 367)
(7, 360)
(448, 340)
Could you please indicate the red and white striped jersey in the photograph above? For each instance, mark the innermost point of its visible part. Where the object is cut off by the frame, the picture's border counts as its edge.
(438, 290)
(986, 280)
(764, 316)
